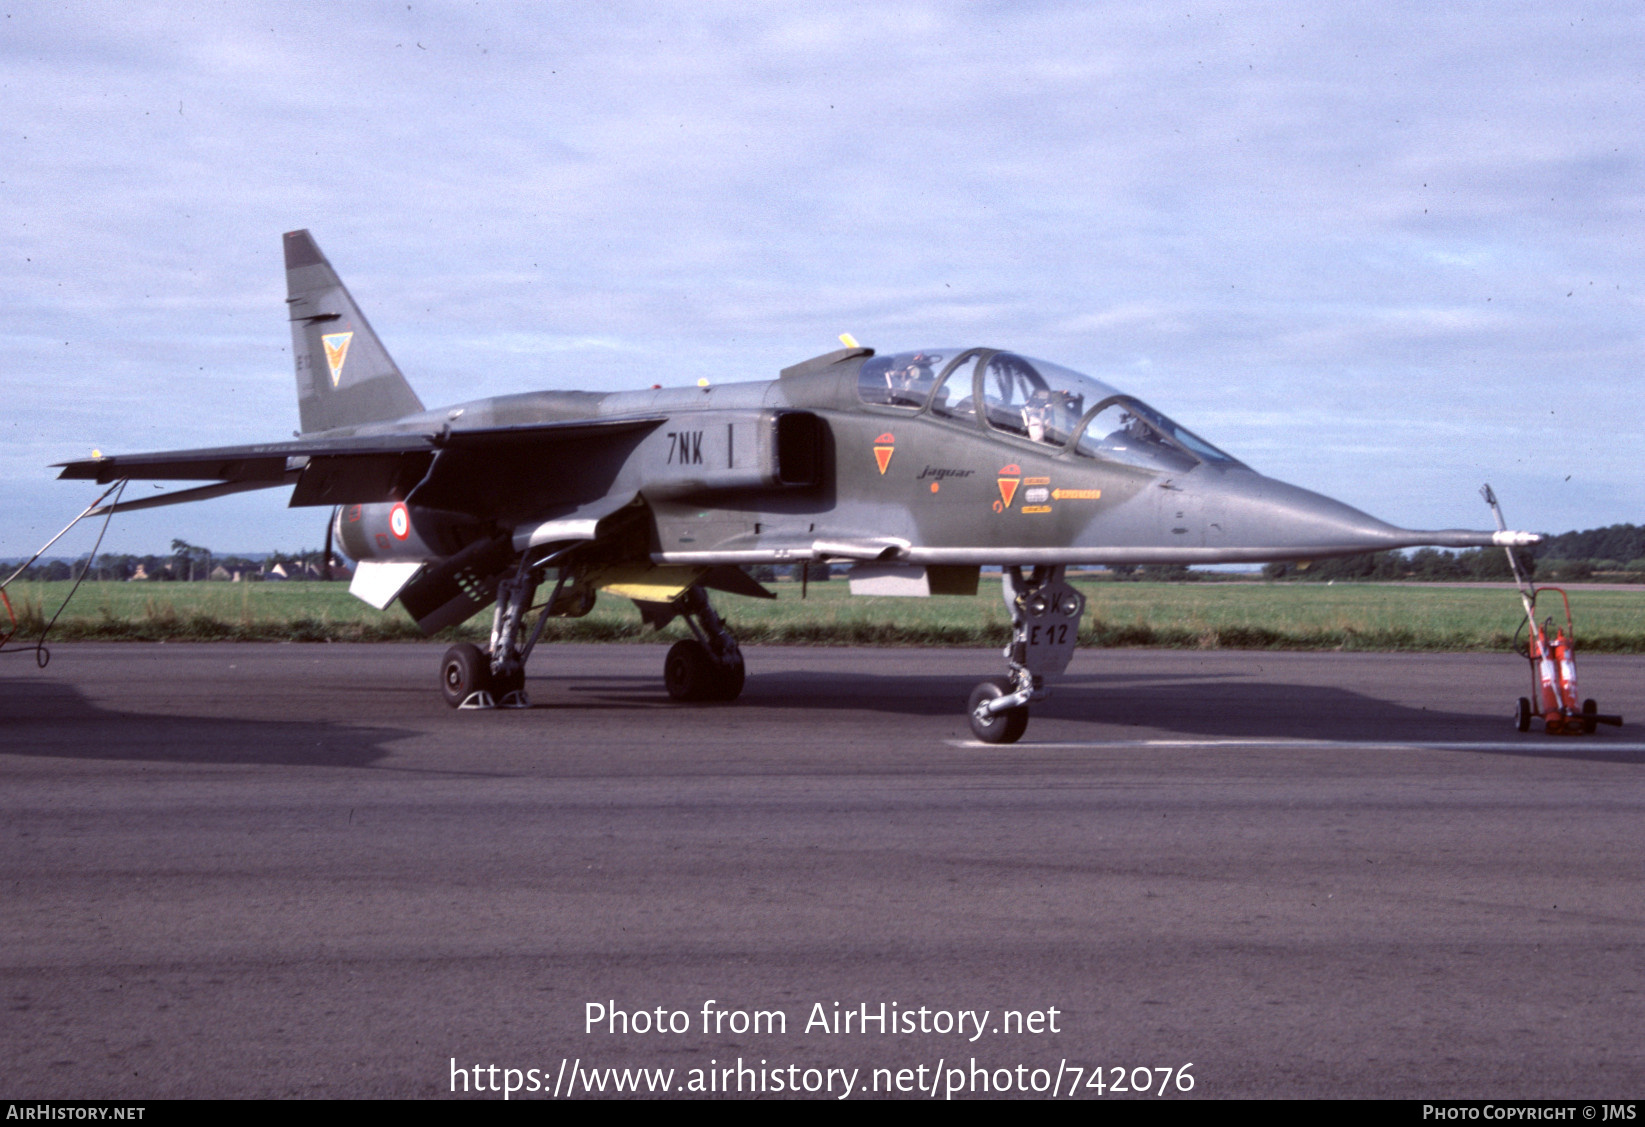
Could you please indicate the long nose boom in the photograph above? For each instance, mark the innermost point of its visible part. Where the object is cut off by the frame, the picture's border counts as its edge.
(1259, 517)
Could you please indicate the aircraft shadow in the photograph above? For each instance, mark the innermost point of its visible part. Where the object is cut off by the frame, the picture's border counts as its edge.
(1210, 706)
(48, 719)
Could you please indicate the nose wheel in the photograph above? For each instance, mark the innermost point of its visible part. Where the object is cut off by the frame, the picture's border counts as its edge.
(1003, 727)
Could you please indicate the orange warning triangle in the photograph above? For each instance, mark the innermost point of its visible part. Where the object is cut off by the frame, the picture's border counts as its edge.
(1008, 489)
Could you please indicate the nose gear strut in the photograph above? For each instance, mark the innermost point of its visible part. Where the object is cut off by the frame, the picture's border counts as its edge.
(1045, 624)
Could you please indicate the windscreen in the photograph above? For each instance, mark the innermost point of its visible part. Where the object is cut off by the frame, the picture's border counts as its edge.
(1127, 430)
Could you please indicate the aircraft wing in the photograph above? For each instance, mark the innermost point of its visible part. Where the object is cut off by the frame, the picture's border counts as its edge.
(265, 462)
(333, 469)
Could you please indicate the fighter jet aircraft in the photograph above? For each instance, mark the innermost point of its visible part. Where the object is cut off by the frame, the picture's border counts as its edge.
(917, 469)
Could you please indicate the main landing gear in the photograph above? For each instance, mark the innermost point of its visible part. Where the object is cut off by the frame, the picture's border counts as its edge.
(706, 667)
(1045, 626)
(474, 678)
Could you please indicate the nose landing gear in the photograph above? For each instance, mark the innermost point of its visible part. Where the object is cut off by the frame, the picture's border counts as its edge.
(1045, 626)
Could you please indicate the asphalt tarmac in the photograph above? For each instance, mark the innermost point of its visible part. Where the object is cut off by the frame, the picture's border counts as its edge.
(290, 870)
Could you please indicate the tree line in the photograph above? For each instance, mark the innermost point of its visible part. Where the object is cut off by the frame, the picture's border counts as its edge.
(1615, 551)
(186, 563)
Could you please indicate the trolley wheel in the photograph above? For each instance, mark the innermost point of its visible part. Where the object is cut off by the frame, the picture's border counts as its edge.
(1002, 727)
(688, 671)
(1523, 714)
(1590, 709)
(464, 670)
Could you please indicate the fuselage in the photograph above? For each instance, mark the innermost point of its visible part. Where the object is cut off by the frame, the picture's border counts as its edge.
(943, 456)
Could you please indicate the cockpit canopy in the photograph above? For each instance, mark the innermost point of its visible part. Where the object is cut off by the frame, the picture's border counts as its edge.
(1037, 401)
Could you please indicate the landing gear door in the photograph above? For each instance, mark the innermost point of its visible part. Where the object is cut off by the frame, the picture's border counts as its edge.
(1046, 617)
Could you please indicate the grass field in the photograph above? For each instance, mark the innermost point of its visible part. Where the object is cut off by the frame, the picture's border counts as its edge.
(1190, 615)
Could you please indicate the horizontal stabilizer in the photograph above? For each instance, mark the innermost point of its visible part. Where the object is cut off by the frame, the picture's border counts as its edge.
(340, 470)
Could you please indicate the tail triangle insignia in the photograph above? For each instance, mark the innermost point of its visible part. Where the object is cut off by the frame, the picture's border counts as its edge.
(336, 352)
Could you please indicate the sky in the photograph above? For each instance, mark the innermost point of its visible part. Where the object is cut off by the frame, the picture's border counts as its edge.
(1386, 252)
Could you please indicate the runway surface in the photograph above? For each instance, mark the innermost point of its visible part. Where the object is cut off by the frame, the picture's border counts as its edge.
(248, 870)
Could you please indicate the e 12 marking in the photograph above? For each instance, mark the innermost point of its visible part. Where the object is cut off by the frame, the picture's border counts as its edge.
(1056, 634)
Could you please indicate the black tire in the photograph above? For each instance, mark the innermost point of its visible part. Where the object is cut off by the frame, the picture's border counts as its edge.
(1522, 714)
(464, 670)
(728, 679)
(1590, 709)
(1002, 727)
(689, 672)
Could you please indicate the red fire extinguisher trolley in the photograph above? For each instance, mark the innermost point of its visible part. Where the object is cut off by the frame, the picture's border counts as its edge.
(1551, 651)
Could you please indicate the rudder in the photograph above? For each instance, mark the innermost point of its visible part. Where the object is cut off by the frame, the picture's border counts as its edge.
(345, 376)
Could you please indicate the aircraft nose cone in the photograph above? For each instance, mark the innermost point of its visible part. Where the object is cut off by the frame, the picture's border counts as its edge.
(1245, 509)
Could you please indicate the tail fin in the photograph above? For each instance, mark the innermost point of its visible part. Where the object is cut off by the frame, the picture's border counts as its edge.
(344, 374)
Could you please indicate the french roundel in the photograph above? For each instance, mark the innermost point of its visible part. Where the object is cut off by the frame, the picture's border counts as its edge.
(399, 522)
